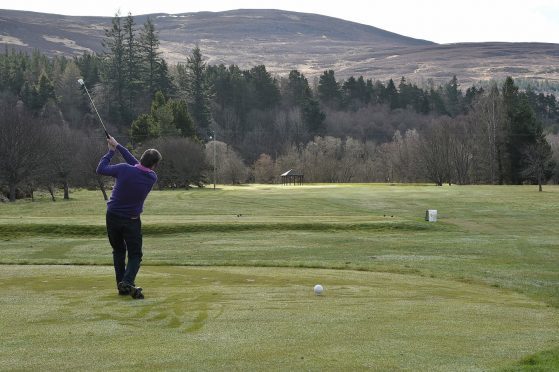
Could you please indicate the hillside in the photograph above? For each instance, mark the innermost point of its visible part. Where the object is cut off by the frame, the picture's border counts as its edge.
(285, 40)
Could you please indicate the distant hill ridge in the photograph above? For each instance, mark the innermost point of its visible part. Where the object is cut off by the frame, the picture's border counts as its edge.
(284, 40)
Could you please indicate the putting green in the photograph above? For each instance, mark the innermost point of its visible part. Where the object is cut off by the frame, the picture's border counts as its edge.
(208, 318)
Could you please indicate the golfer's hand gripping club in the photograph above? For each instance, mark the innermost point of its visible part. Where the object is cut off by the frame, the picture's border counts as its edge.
(82, 83)
(112, 143)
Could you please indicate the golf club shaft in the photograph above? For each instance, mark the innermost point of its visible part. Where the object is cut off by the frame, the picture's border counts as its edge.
(97, 112)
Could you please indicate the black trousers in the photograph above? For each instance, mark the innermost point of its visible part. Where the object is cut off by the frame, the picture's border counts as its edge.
(125, 236)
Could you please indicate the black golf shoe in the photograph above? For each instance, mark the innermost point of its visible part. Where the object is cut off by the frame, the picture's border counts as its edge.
(125, 289)
(136, 293)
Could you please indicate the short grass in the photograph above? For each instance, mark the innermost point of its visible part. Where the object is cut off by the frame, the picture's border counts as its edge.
(491, 261)
(263, 318)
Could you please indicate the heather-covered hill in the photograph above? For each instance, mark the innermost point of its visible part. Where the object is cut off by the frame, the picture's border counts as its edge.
(284, 41)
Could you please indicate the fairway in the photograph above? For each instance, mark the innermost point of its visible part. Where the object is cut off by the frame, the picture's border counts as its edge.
(228, 278)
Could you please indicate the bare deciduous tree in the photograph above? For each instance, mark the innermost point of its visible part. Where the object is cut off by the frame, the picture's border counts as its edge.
(489, 111)
(320, 159)
(20, 146)
(352, 156)
(553, 140)
(384, 162)
(538, 161)
(91, 149)
(229, 166)
(403, 156)
(62, 161)
(264, 169)
(435, 152)
(461, 147)
(289, 126)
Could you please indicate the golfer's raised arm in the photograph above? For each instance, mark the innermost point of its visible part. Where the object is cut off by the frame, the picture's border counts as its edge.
(128, 157)
(104, 166)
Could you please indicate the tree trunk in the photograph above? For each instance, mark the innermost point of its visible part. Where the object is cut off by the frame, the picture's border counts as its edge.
(13, 192)
(66, 191)
(500, 168)
(540, 182)
(102, 188)
(51, 192)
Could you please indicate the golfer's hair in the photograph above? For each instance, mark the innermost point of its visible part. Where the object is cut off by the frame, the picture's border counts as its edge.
(150, 157)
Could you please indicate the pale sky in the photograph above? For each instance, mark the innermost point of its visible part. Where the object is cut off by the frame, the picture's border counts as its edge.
(440, 21)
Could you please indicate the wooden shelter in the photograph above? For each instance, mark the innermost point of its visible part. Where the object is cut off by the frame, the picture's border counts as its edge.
(292, 177)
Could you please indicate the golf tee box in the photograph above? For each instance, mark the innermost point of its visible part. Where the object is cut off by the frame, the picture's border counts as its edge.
(431, 215)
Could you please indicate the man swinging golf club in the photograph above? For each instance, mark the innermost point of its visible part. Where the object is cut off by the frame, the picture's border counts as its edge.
(134, 181)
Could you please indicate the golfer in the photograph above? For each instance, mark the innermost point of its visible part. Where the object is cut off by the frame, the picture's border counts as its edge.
(134, 181)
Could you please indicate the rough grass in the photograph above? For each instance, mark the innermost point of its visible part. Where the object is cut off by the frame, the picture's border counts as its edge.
(499, 238)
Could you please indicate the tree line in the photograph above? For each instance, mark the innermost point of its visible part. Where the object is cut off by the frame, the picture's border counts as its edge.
(251, 125)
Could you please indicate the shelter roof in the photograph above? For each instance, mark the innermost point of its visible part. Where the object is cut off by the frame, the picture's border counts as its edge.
(292, 172)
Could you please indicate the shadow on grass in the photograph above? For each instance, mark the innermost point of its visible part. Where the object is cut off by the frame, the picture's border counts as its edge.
(544, 361)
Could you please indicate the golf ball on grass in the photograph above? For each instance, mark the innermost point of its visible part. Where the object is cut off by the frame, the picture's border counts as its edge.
(318, 289)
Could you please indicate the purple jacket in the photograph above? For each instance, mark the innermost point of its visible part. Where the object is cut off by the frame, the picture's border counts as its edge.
(133, 183)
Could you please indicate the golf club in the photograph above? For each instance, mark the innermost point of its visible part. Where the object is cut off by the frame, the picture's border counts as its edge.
(99, 116)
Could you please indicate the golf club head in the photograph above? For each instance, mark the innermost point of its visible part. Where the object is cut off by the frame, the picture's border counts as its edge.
(80, 81)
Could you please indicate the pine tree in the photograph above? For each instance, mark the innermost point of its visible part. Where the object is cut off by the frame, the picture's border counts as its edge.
(392, 96)
(329, 91)
(297, 90)
(378, 92)
(453, 97)
(44, 90)
(405, 93)
(154, 71)
(349, 89)
(181, 118)
(145, 127)
(522, 128)
(132, 63)
(90, 65)
(114, 70)
(149, 44)
(313, 117)
(361, 90)
(37, 95)
(265, 93)
(196, 89)
(68, 94)
(437, 101)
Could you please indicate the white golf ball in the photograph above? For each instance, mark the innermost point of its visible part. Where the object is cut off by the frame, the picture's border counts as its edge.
(318, 289)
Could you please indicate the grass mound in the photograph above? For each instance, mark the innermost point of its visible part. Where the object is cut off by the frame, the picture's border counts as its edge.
(51, 229)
